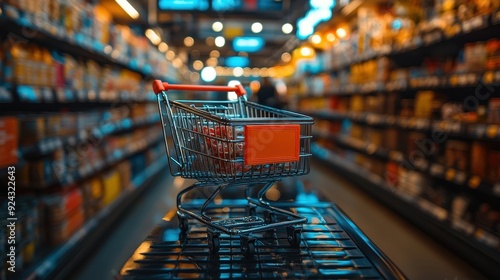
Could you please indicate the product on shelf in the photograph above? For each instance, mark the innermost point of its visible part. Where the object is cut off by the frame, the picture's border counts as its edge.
(407, 108)
(92, 192)
(494, 110)
(494, 166)
(427, 105)
(63, 214)
(391, 139)
(457, 155)
(479, 152)
(111, 185)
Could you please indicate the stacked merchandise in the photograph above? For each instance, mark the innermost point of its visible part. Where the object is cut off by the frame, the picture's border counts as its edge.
(78, 123)
(410, 103)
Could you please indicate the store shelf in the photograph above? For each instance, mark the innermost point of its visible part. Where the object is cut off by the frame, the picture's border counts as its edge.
(417, 48)
(66, 257)
(458, 178)
(481, 131)
(97, 166)
(50, 145)
(26, 95)
(22, 24)
(490, 78)
(473, 243)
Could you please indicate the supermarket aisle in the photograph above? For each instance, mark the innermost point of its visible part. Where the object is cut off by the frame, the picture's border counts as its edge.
(417, 255)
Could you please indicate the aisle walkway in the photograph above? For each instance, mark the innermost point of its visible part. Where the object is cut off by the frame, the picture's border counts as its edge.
(417, 255)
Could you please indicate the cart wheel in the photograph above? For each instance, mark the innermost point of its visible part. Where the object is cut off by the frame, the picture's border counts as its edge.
(213, 238)
(183, 223)
(247, 246)
(294, 235)
(270, 217)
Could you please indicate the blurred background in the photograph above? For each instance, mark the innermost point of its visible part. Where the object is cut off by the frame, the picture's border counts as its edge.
(405, 97)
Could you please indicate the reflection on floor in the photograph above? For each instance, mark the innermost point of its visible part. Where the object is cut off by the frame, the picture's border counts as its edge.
(416, 254)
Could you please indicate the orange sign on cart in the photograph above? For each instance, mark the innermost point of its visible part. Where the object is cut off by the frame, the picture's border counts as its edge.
(266, 144)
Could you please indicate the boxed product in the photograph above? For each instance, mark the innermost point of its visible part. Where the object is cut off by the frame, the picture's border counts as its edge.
(124, 169)
(92, 192)
(375, 104)
(31, 129)
(457, 155)
(392, 104)
(111, 185)
(63, 214)
(427, 105)
(407, 110)
(479, 164)
(412, 182)
(494, 110)
(391, 139)
(357, 131)
(357, 103)
(494, 166)
(9, 138)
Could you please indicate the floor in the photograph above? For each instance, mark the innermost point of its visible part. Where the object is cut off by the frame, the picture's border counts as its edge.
(415, 253)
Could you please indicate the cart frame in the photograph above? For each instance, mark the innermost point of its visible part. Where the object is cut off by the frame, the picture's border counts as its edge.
(207, 146)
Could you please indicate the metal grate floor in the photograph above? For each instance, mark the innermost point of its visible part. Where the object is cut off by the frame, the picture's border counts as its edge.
(332, 247)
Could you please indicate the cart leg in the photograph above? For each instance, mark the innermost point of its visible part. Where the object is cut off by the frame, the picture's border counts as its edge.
(269, 217)
(210, 199)
(251, 209)
(293, 234)
(213, 237)
(247, 245)
(183, 222)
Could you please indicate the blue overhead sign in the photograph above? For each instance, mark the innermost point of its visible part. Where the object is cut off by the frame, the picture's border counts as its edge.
(183, 5)
(248, 44)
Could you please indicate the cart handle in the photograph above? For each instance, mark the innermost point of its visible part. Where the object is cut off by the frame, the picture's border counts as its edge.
(159, 86)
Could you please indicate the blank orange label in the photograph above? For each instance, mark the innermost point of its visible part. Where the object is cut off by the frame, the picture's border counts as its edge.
(265, 144)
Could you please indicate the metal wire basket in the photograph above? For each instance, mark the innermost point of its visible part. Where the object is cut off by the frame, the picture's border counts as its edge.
(230, 143)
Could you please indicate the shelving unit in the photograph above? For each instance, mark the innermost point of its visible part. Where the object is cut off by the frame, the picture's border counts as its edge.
(122, 146)
(348, 89)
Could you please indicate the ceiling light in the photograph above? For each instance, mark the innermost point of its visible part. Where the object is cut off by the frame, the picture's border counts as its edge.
(177, 62)
(256, 27)
(306, 51)
(247, 71)
(212, 61)
(170, 55)
(215, 53)
(287, 28)
(330, 37)
(217, 26)
(341, 32)
(128, 8)
(188, 41)
(208, 74)
(198, 65)
(220, 41)
(238, 71)
(153, 37)
(163, 47)
(316, 39)
(194, 77)
(286, 57)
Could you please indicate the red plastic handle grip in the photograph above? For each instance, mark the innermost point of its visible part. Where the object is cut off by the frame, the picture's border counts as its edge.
(159, 86)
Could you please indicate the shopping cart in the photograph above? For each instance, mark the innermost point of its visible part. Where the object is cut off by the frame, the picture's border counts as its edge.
(234, 143)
